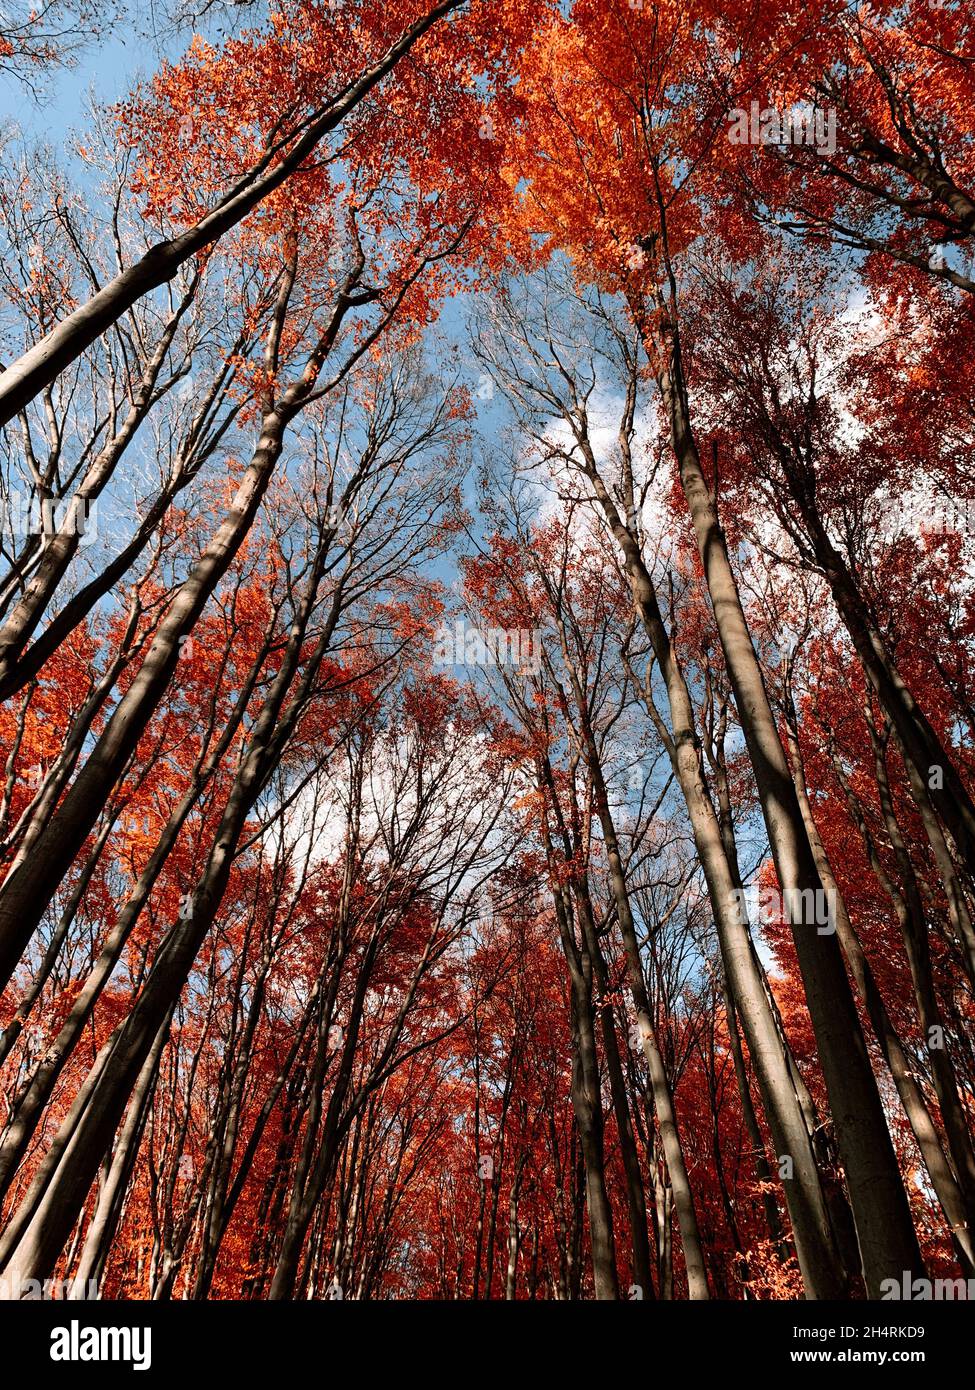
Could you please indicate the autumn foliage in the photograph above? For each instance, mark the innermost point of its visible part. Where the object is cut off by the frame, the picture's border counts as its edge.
(487, 634)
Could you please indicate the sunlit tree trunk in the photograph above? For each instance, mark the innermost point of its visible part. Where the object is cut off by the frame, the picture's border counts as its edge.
(887, 1240)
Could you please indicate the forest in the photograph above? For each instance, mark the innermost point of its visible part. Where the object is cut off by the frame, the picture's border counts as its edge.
(487, 636)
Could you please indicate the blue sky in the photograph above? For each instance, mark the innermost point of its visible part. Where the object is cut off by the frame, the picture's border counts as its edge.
(106, 69)
(105, 74)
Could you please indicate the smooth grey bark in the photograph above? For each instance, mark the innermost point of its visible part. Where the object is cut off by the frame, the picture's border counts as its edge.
(959, 913)
(635, 1191)
(27, 892)
(922, 748)
(34, 991)
(959, 1217)
(108, 1209)
(885, 1231)
(819, 1257)
(911, 918)
(28, 1106)
(697, 1279)
(20, 670)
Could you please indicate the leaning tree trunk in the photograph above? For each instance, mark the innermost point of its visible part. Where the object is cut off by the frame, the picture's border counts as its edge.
(820, 1261)
(59, 550)
(586, 1091)
(44, 1219)
(924, 752)
(887, 1239)
(911, 917)
(28, 890)
(959, 1217)
(697, 1279)
(108, 1209)
(40, 366)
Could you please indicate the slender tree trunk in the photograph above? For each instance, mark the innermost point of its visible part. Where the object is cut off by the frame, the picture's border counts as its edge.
(697, 1280)
(108, 1209)
(28, 890)
(514, 1235)
(586, 1091)
(910, 911)
(636, 1196)
(61, 547)
(959, 914)
(885, 1231)
(924, 752)
(41, 1224)
(40, 366)
(960, 1218)
(819, 1257)
(762, 1170)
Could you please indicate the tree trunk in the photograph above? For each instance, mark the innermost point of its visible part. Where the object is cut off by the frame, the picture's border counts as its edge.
(960, 1219)
(39, 367)
(885, 1232)
(819, 1257)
